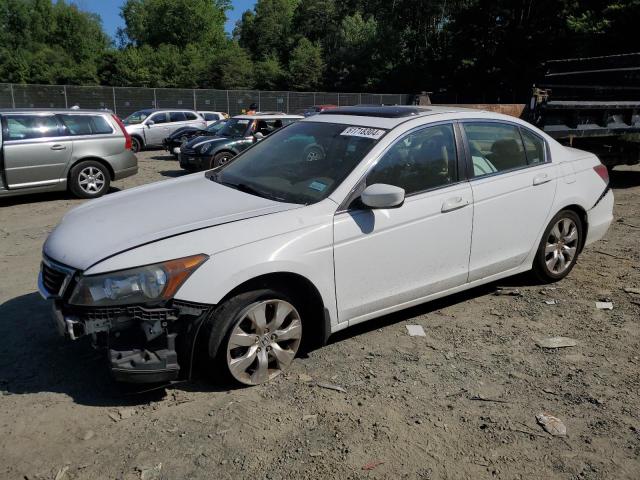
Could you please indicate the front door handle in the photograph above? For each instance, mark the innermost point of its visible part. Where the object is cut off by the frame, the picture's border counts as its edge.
(542, 178)
(57, 146)
(454, 204)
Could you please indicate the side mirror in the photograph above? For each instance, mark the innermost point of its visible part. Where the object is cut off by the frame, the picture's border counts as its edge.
(258, 136)
(150, 123)
(381, 195)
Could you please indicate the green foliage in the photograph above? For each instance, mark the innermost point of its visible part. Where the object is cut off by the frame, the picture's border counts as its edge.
(306, 66)
(174, 22)
(49, 43)
(487, 49)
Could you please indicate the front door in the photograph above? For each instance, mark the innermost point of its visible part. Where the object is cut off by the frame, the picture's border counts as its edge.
(513, 185)
(155, 133)
(391, 257)
(34, 151)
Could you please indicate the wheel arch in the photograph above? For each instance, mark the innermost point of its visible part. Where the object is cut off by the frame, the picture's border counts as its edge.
(584, 218)
(101, 161)
(302, 289)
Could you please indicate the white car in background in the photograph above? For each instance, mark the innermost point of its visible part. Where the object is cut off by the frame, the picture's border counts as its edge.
(331, 221)
(212, 117)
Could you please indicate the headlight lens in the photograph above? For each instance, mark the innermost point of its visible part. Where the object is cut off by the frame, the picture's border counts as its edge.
(137, 285)
(205, 148)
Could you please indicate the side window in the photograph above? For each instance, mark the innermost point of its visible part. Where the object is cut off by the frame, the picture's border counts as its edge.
(534, 146)
(420, 161)
(191, 116)
(495, 147)
(158, 118)
(22, 127)
(177, 117)
(85, 125)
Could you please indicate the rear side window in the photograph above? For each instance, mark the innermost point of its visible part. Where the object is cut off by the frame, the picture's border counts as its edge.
(23, 127)
(495, 147)
(210, 117)
(420, 161)
(191, 116)
(85, 125)
(534, 147)
(177, 117)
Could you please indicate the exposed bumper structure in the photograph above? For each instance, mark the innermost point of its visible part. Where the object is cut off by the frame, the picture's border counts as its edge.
(143, 345)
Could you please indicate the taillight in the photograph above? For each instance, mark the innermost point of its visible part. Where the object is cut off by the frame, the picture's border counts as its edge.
(127, 137)
(602, 171)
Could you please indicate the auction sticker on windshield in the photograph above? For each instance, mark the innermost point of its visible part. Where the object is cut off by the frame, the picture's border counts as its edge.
(365, 132)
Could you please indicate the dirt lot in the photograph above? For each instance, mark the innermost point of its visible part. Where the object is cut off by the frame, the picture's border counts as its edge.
(458, 403)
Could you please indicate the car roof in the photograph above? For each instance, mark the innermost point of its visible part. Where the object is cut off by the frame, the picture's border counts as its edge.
(54, 110)
(266, 117)
(382, 116)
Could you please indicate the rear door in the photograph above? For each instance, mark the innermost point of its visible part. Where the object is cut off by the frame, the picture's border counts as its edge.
(514, 185)
(35, 150)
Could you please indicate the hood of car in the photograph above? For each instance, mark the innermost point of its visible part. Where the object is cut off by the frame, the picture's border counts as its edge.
(185, 131)
(121, 221)
(201, 140)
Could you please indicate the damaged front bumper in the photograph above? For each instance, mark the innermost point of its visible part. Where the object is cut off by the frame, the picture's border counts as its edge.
(144, 345)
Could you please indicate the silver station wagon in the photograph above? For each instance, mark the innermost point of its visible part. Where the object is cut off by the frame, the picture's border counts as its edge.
(77, 150)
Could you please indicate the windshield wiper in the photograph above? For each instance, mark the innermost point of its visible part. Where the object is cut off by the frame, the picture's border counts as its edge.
(243, 187)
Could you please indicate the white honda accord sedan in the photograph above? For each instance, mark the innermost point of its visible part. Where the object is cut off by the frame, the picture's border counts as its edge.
(337, 219)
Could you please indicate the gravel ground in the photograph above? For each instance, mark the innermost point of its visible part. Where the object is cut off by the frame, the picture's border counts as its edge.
(458, 403)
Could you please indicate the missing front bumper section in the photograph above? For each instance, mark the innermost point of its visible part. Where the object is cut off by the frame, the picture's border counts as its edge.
(141, 342)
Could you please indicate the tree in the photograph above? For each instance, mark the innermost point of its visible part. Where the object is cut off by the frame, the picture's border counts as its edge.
(49, 43)
(232, 68)
(266, 30)
(174, 22)
(269, 73)
(306, 66)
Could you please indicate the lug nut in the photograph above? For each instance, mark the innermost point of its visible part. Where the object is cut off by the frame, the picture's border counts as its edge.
(259, 349)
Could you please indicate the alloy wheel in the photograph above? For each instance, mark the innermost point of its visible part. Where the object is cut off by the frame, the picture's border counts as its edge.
(562, 246)
(91, 180)
(263, 341)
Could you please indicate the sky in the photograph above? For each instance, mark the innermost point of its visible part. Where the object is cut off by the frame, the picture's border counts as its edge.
(109, 11)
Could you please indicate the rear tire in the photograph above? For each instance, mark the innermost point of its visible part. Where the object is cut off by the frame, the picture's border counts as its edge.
(559, 248)
(89, 179)
(253, 337)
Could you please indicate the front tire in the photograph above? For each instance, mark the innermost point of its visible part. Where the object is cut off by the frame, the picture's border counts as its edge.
(136, 145)
(559, 248)
(254, 336)
(220, 159)
(89, 179)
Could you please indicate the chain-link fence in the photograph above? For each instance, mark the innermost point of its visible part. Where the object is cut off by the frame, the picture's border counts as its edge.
(126, 100)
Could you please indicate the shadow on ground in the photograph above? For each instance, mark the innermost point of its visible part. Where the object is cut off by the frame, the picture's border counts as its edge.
(35, 359)
(623, 178)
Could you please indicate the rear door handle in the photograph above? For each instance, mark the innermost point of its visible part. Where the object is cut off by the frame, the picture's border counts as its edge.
(57, 146)
(542, 178)
(454, 204)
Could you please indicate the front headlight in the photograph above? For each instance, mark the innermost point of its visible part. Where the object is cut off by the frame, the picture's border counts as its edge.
(137, 285)
(205, 148)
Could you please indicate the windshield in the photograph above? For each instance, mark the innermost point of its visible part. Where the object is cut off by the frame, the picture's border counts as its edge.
(302, 163)
(216, 127)
(234, 128)
(136, 117)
